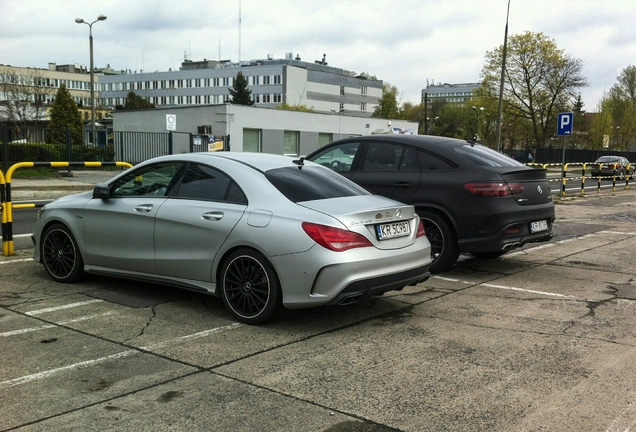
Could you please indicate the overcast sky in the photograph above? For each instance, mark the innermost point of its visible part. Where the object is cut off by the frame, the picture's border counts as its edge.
(402, 42)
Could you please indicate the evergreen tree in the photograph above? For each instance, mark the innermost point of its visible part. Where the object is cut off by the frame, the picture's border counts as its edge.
(136, 102)
(241, 95)
(388, 105)
(65, 114)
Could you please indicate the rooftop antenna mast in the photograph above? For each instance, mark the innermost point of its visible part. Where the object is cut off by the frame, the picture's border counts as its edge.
(239, 33)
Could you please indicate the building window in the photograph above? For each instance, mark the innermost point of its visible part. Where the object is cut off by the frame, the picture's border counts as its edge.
(188, 100)
(341, 90)
(363, 106)
(252, 140)
(292, 141)
(215, 82)
(324, 139)
(266, 80)
(277, 79)
(363, 91)
(197, 82)
(278, 98)
(197, 99)
(266, 98)
(341, 107)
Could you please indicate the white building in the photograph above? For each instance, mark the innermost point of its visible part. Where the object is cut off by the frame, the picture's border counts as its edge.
(273, 82)
(254, 129)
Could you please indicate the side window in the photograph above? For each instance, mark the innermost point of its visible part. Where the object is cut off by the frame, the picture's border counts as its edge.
(154, 180)
(339, 158)
(382, 157)
(410, 161)
(201, 182)
(430, 162)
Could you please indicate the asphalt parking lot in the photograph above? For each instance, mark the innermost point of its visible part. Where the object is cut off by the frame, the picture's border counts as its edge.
(542, 339)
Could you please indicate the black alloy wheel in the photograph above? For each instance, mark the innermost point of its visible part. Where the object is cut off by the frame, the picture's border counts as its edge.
(250, 288)
(60, 255)
(443, 240)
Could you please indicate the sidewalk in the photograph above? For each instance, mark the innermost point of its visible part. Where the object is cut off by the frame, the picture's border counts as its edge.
(50, 188)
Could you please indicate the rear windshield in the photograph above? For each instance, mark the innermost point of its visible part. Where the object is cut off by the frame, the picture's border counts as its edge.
(484, 156)
(312, 183)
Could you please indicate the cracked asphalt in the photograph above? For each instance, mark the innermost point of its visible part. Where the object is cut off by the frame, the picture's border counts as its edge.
(541, 339)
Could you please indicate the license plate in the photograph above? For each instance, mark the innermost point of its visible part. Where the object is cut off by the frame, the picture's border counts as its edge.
(538, 226)
(392, 230)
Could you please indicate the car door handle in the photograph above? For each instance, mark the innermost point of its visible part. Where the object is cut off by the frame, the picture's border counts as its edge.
(213, 215)
(402, 184)
(144, 208)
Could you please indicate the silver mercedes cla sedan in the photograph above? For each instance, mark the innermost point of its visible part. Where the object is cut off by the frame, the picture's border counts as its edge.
(260, 231)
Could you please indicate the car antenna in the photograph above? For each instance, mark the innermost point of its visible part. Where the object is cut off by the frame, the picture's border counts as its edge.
(300, 162)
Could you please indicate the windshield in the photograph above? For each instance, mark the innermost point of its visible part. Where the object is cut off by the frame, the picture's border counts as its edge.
(312, 183)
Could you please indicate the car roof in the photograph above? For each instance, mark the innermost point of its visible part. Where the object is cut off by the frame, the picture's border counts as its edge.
(424, 141)
(260, 161)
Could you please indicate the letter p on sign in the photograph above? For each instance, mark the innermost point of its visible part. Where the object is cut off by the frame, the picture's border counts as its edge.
(564, 124)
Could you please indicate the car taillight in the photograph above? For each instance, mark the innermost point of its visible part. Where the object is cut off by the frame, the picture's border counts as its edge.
(335, 239)
(420, 230)
(494, 189)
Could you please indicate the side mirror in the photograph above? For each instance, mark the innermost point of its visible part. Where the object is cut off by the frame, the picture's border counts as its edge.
(101, 191)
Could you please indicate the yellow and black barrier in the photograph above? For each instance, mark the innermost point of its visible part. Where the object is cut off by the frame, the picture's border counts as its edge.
(584, 166)
(6, 206)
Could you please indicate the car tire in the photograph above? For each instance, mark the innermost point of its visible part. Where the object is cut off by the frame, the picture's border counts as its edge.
(443, 240)
(250, 288)
(61, 256)
(488, 255)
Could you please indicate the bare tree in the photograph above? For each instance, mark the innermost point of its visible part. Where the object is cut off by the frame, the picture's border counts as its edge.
(24, 96)
(540, 80)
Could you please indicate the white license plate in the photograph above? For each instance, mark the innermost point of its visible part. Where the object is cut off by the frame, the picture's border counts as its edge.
(393, 229)
(538, 226)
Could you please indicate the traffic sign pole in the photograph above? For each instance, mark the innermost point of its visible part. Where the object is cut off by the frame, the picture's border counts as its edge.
(565, 122)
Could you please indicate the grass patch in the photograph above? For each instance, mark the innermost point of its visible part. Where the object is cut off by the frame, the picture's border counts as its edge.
(37, 172)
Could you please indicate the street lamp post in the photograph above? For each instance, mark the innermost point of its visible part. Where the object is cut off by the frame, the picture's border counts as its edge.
(90, 39)
(477, 111)
(339, 112)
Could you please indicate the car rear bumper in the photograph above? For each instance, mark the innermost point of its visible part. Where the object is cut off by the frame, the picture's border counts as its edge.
(512, 231)
(320, 277)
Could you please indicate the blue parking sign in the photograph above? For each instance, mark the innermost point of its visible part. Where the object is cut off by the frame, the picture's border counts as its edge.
(565, 121)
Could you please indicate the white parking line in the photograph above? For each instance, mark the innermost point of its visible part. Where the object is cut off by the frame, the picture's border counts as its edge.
(504, 287)
(526, 290)
(28, 378)
(48, 373)
(57, 308)
(16, 261)
(48, 326)
(190, 337)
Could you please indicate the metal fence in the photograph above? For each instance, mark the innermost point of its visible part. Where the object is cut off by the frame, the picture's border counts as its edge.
(41, 144)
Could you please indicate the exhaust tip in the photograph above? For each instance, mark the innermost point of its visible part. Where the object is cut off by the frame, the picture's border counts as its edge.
(354, 298)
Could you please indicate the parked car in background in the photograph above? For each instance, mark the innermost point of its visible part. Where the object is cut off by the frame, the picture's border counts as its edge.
(260, 231)
(472, 199)
(609, 166)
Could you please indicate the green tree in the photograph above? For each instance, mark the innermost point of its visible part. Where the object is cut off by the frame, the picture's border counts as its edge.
(601, 129)
(540, 81)
(65, 114)
(136, 102)
(625, 88)
(622, 97)
(388, 106)
(241, 95)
